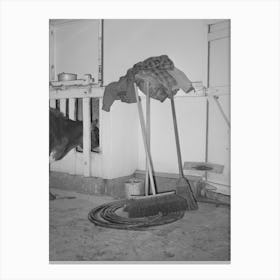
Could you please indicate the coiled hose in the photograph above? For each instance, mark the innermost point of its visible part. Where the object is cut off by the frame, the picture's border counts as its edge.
(105, 216)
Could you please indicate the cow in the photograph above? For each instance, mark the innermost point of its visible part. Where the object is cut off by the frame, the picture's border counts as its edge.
(66, 134)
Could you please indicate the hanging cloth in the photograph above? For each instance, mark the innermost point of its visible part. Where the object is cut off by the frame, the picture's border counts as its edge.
(164, 80)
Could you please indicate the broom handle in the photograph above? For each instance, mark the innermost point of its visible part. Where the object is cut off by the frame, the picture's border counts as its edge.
(148, 130)
(181, 173)
(142, 123)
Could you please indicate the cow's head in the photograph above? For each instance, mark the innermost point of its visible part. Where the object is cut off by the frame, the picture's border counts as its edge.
(60, 149)
(66, 134)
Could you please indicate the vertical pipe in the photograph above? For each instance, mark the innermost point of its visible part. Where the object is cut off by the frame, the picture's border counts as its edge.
(86, 136)
(100, 52)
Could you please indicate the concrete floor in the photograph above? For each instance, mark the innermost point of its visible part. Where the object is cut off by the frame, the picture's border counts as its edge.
(202, 235)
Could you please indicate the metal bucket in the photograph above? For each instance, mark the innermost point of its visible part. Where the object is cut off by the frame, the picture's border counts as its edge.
(134, 187)
(66, 76)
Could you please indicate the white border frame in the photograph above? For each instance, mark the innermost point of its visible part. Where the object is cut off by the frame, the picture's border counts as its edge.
(255, 138)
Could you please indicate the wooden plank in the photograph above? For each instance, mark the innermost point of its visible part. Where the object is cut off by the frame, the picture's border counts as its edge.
(86, 136)
(219, 138)
(72, 116)
(80, 92)
(223, 33)
(72, 109)
(210, 91)
(63, 106)
(51, 54)
(98, 92)
(53, 103)
(100, 51)
(218, 91)
(207, 103)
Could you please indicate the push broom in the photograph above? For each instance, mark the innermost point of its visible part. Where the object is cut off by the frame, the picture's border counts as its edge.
(156, 203)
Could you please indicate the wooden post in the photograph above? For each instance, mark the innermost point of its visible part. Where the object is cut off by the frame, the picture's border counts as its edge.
(53, 103)
(63, 106)
(100, 51)
(52, 73)
(72, 116)
(207, 104)
(52, 61)
(72, 109)
(86, 136)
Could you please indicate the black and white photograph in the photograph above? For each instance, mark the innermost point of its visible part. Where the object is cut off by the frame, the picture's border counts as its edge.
(139, 140)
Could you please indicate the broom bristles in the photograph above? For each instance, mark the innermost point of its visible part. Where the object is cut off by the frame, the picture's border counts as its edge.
(164, 204)
(156, 205)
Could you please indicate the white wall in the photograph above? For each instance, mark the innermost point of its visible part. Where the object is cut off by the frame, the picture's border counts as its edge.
(123, 139)
(76, 48)
(191, 116)
(130, 41)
